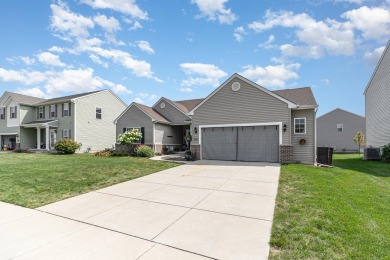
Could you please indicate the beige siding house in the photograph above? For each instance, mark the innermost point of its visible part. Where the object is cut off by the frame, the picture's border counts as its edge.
(377, 98)
(38, 123)
(337, 129)
(240, 120)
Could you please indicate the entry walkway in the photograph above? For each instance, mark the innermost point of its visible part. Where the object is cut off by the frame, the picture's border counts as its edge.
(202, 210)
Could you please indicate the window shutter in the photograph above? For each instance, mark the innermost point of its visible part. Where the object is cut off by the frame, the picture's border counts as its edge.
(56, 109)
(62, 105)
(44, 112)
(143, 135)
(124, 129)
(16, 111)
(69, 134)
(70, 108)
(10, 113)
(62, 133)
(37, 112)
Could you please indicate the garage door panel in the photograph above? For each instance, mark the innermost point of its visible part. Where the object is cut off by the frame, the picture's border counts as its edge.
(243, 143)
(219, 143)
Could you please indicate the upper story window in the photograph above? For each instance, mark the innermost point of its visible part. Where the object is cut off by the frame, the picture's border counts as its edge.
(53, 110)
(2, 113)
(340, 127)
(98, 113)
(65, 109)
(41, 113)
(299, 125)
(13, 112)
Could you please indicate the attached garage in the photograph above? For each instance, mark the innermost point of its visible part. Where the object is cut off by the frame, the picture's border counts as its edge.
(256, 143)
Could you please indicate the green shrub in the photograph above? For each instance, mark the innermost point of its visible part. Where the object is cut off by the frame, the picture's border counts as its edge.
(144, 151)
(386, 153)
(66, 146)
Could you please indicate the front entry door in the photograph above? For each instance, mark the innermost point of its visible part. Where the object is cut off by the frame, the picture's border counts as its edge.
(53, 138)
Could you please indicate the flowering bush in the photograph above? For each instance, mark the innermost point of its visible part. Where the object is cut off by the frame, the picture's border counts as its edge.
(129, 138)
(66, 146)
(144, 151)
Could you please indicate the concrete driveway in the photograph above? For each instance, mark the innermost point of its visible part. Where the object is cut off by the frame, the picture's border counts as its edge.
(202, 210)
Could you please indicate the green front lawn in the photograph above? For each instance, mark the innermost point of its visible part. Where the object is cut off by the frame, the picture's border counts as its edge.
(333, 213)
(32, 180)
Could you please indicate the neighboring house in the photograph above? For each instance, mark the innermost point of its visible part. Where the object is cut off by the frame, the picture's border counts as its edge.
(240, 120)
(377, 96)
(34, 123)
(337, 129)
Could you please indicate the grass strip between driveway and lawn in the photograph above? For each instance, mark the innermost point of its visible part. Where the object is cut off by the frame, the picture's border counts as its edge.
(333, 213)
(33, 179)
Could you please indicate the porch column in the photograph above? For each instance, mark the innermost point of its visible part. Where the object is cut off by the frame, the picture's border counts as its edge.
(47, 138)
(38, 137)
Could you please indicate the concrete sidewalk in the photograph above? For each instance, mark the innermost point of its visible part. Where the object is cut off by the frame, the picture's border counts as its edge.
(202, 210)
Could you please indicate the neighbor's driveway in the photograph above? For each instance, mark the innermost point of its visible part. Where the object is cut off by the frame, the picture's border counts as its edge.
(208, 209)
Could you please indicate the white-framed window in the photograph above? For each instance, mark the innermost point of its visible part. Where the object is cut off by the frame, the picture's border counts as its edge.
(129, 129)
(40, 112)
(98, 113)
(66, 133)
(340, 127)
(65, 111)
(2, 113)
(53, 111)
(13, 112)
(300, 125)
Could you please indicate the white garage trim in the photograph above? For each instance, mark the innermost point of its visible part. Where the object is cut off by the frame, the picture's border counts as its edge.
(279, 124)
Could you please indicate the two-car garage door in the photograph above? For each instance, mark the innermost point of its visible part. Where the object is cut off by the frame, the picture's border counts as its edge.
(242, 143)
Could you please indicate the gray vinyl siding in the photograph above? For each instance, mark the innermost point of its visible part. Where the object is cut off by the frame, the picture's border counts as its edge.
(27, 114)
(162, 133)
(248, 105)
(96, 134)
(377, 105)
(171, 113)
(134, 117)
(304, 153)
(328, 136)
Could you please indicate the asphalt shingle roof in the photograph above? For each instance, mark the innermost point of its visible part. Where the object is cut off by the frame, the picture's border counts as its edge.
(65, 98)
(23, 99)
(189, 104)
(152, 113)
(300, 96)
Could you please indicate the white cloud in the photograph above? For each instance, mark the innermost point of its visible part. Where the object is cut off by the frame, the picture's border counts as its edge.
(372, 57)
(268, 43)
(329, 36)
(139, 68)
(373, 22)
(271, 76)
(56, 49)
(138, 100)
(145, 46)
(306, 52)
(120, 89)
(205, 74)
(215, 10)
(126, 7)
(55, 82)
(135, 26)
(109, 24)
(239, 33)
(97, 60)
(145, 98)
(34, 92)
(51, 59)
(66, 24)
(22, 76)
(25, 59)
(188, 90)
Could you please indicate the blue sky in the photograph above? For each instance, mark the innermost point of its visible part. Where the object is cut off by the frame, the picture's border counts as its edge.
(184, 49)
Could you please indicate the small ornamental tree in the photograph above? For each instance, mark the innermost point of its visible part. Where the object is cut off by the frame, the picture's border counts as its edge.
(129, 138)
(386, 153)
(359, 139)
(188, 139)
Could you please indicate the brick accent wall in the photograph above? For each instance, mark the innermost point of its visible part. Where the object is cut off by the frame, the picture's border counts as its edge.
(195, 151)
(286, 154)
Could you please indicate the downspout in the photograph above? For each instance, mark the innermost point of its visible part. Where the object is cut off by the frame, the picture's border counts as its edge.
(315, 135)
(74, 119)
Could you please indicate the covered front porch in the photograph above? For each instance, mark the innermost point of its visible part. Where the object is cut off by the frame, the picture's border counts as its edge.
(46, 134)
